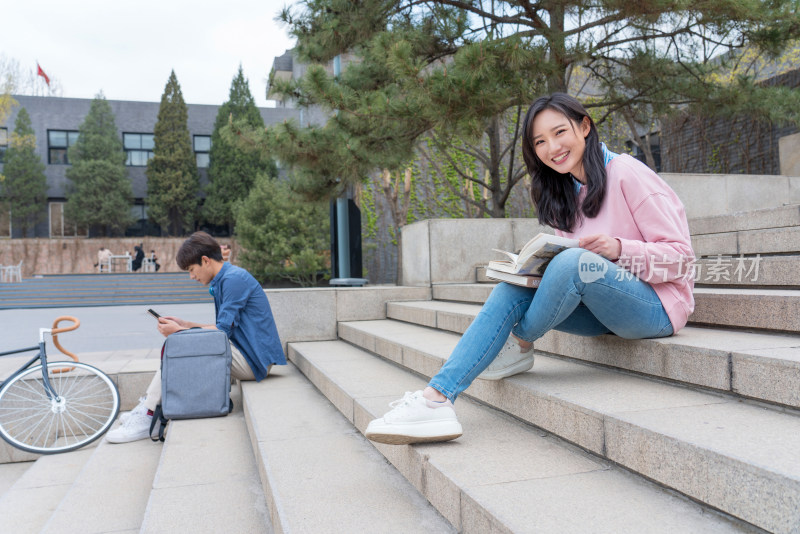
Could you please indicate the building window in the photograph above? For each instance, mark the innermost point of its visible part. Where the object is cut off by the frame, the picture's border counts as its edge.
(139, 148)
(62, 227)
(202, 146)
(58, 141)
(3, 144)
(5, 219)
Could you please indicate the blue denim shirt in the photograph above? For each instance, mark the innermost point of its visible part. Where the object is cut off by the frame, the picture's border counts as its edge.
(244, 314)
(607, 157)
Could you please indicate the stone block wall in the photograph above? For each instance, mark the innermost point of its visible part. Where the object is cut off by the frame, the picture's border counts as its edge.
(78, 256)
(692, 143)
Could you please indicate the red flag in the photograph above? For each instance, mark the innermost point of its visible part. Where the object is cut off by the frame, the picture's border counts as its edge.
(40, 72)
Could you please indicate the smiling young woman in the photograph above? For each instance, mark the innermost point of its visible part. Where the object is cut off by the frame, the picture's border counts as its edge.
(631, 228)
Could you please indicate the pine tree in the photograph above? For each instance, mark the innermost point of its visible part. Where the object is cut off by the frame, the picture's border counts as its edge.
(24, 184)
(172, 180)
(232, 170)
(283, 236)
(100, 193)
(453, 67)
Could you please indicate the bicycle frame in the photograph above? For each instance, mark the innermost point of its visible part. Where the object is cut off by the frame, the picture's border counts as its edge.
(41, 356)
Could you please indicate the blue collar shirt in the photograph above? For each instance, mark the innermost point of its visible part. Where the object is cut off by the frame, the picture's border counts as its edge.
(244, 314)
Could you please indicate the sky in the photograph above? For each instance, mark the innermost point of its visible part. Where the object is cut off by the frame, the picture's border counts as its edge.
(127, 49)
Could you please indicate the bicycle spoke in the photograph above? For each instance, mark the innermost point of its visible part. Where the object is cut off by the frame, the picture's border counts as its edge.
(31, 420)
(39, 399)
(39, 390)
(18, 421)
(82, 426)
(65, 422)
(24, 440)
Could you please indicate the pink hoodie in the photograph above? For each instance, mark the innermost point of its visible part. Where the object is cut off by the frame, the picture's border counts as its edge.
(649, 220)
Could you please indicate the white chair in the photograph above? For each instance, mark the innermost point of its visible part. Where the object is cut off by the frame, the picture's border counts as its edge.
(13, 272)
(2, 273)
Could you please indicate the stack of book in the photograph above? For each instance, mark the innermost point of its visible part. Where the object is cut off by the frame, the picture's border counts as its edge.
(527, 266)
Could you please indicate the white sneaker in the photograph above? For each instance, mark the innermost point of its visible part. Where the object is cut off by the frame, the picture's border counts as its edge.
(140, 408)
(135, 427)
(415, 419)
(511, 360)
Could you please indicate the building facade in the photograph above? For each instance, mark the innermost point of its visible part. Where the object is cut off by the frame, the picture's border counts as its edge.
(56, 122)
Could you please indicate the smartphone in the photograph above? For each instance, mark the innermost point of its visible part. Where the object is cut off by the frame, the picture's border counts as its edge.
(154, 314)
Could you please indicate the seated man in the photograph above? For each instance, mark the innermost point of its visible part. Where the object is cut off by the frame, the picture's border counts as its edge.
(103, 260)
(242, 312)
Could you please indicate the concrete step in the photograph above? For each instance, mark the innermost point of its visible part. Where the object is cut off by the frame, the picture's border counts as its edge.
(761, 366)
(30, 502)
(733, 456)
(764, 241)
(777, 217)
(320, 475)
(768, 309)
(10, 473)
(501, 475)
(748, 271)
(207, 479)
(765, 231)
(110, 493)
(101, 290)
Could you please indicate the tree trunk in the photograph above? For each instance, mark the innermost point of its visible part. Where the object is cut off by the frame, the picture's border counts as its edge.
(498, 208)
(557, 80)
(399, 212)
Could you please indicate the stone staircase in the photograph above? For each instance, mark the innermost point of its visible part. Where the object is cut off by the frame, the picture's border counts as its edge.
(102, 289)
(283, 457)
(698, 432)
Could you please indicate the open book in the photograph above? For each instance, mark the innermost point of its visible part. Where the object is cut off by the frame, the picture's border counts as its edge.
(524, 280)
(534, 256)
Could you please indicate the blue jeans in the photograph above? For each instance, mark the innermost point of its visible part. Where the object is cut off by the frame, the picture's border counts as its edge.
(580, 293)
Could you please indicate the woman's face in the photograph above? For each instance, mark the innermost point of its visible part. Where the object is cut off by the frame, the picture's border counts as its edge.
(560, 142)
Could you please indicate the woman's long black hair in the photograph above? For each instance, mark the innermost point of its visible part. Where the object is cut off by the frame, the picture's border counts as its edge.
(553, 193)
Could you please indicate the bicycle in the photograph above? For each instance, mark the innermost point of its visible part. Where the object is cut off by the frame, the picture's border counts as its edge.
(59, 406)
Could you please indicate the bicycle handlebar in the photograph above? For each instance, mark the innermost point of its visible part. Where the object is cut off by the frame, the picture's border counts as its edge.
(56, 330)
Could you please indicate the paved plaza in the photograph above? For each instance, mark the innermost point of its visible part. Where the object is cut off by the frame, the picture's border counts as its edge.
(103, 328)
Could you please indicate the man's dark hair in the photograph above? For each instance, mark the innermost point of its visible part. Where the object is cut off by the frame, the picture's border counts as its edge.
(193, 249)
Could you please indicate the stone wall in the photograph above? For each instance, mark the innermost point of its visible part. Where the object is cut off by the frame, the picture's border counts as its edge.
(790, 154)
(692, 143)
(78, 256)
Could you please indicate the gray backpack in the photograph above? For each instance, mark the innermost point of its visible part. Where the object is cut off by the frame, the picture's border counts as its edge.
(195, 377)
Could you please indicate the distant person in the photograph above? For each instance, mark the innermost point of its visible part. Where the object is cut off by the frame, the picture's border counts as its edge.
(154, 260)
(138, 257)
(242, 312)
(103, 258)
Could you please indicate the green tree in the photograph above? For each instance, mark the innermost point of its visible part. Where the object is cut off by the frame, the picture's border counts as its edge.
(99, 193)
(24, 185)
(454, 66)
(282, 235)
(172, 181)
(232, 170)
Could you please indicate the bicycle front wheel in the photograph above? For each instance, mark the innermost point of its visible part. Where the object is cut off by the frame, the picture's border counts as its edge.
(86, 405)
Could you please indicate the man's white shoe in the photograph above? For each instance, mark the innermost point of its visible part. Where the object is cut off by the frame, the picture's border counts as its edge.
(415, 419)
(136, 427)
(511, 360)
(140, 408)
